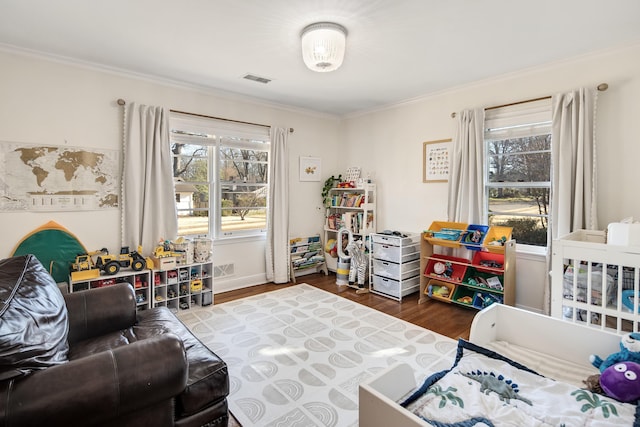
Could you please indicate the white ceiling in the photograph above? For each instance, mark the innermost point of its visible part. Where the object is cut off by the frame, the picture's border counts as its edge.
(396, 49)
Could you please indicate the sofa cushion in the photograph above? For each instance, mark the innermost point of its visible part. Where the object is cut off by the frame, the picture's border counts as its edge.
(33, 318)
(105, 342)
(208, 379)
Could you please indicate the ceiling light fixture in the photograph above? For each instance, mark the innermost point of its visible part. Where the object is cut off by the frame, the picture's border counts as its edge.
(323, 46)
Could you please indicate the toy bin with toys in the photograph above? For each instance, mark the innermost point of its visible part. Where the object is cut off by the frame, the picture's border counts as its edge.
(474, 236)
(445, 233)
(446, 267)
(496, 238)
(440, 290)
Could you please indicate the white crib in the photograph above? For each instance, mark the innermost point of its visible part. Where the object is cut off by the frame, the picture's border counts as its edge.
(595, 283)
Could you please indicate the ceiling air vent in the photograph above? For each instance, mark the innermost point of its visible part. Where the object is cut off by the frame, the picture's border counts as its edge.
(257, 78)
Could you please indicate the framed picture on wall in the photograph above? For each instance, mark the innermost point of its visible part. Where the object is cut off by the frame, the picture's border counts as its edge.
(310, 168)
(436, 160)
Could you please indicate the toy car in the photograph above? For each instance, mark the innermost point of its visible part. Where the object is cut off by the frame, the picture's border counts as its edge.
(184, 305)
(196, 285)
(172, 277)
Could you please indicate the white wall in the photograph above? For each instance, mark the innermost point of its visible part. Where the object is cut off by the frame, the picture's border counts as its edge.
(388, 143)
(58, 103)
(48, 102)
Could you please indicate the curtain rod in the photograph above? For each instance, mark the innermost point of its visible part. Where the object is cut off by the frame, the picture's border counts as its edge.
(601, 87)
(123, 102)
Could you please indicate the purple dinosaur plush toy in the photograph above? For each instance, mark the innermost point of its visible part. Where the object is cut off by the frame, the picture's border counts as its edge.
(622, 381)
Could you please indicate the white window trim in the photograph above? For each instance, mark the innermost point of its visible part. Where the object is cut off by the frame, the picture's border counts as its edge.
(218, 129)
(506, 122)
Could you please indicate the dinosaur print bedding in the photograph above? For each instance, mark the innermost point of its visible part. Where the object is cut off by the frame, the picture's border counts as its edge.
(484, 388)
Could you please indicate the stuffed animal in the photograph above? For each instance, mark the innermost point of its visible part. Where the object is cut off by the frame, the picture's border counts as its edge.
(622, 381)
(629, 352)
(358, 266)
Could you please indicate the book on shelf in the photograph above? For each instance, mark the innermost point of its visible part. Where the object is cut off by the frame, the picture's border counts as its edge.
(347, 221)
(331, 222)
(369, 224)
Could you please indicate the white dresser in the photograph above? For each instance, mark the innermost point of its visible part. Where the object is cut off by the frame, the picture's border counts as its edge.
(394, 269)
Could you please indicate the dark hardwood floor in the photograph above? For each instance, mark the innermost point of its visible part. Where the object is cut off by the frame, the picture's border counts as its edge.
(446, 319)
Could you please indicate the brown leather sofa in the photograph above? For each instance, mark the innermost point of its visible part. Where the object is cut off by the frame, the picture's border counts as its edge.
(88, 359)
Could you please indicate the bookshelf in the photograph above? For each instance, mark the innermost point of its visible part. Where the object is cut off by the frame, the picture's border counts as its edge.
(480, 274)
(353, 209)
(306, 256)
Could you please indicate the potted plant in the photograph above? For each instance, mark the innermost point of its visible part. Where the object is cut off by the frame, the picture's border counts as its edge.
(328, 185)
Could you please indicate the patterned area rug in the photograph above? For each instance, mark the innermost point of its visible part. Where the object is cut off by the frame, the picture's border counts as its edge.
(297, 355)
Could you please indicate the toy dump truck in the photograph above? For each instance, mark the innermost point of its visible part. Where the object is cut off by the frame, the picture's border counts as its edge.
(83, 268)
(111, 264)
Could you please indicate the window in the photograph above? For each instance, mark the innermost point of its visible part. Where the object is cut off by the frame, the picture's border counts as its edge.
(518, 170)
(221, 177)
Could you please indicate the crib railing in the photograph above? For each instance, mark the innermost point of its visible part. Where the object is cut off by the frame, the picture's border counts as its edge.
(595, 283)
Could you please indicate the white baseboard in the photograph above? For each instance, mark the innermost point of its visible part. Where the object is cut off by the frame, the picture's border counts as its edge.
(234, 283)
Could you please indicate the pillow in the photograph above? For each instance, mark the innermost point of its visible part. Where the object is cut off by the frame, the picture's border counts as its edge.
(33, 318)
(484, 387)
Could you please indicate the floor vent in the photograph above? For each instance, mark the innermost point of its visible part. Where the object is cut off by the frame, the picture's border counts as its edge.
(257, 78)
(223, 270)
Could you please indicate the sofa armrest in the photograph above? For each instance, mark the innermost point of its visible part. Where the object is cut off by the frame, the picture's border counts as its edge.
(98, 311)
(97, 388)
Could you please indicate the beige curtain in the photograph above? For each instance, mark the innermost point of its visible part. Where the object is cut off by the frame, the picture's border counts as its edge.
(466, 189)
(277, 246)
(573, 147)
(573, 205)
(148, 197)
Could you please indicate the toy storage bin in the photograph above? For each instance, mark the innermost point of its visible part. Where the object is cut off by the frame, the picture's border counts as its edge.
(483, 279)
(481, 257)
(392, 269)
(432, 290)
(494, 234)
(462, 292)
(439, 233)
(395, 254)
(393, 288)
(485, 299)
(458, 266)
(473, 229)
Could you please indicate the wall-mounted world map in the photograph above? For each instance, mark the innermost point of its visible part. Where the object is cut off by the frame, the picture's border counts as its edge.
(57, 178)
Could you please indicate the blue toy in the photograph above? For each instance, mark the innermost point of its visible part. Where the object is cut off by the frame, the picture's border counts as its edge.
(622, 381)
(629, 352)
(628, 298)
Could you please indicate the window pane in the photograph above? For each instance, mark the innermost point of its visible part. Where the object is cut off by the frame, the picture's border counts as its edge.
(191, 166)
(243, 166)
(234, 219)
(520, 160)
(519, 200)
(190, 162)
(526, 230)
(193, 222)
(525, 209)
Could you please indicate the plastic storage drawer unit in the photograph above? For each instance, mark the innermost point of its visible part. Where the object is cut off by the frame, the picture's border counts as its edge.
(396, 271)
(396, 288)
